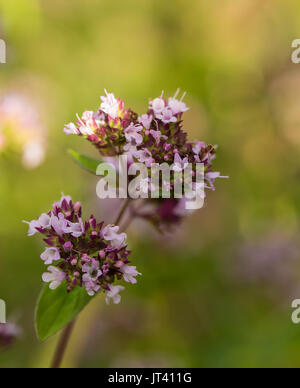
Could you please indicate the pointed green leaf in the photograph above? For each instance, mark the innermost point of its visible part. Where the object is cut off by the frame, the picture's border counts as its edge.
(57, 308)
(88, 163)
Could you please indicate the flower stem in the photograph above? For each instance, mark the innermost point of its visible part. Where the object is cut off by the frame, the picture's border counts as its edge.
(62, 345)
(122, 212)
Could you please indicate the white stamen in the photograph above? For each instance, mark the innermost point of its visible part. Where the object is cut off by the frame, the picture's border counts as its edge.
(80, 120)
(176, 94)
(156, 124)
(182, 98)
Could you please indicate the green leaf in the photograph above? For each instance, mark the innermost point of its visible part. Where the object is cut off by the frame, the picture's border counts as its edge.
(57, 308)
(86, 162)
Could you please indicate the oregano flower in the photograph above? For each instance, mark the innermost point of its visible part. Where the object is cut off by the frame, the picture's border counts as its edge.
(155, 137)
(83, 254)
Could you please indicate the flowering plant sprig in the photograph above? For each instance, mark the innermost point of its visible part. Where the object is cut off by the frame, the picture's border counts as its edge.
(83, 254)
(84, 258)
(156, 137)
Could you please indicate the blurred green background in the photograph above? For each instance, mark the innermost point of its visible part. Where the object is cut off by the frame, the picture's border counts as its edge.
(217, 292)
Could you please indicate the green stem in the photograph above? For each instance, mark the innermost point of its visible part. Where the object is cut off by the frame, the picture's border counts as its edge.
(62, 345)
(122, 212)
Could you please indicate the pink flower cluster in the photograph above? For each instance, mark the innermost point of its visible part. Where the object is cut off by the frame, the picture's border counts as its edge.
(83, 254)
(154, 137)
(104, 128)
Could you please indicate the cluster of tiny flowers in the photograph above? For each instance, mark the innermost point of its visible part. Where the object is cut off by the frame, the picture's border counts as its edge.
(21, 131)
(154, 137)
(83, 254)
(106, 127)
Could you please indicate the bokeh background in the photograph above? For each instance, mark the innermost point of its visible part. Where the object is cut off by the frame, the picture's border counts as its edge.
(218, 292)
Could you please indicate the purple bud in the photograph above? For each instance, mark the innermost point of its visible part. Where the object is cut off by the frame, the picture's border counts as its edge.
(85, 258)
(94, 234)
(64, 204)
(68, 246)
(76, 274)
(93, 138)
(61, 240)
(49, 241)
(119, 264)
(93, 222)
(74, 262)
(77, 207)
(102, 254)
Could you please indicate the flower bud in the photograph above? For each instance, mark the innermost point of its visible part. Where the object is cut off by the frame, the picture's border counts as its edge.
(94, 234)
(119, 264)
(93, 138)
(68, 246)
(77, 207)
(102, 254)
(167, 147)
